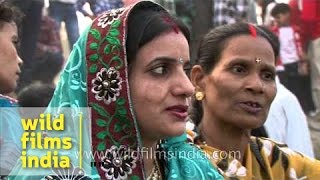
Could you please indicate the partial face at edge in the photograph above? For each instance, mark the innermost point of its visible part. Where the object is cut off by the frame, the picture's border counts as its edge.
(160, 87)
(239, 90)
(9, 58)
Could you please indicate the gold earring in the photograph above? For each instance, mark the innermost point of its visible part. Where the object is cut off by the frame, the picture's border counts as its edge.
(199, 95)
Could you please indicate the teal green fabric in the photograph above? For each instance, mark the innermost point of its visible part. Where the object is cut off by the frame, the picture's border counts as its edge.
(187, 161)
(10, 124)
(10, 133)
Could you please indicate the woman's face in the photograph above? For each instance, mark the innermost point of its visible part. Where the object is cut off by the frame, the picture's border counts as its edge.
(241, 87)
(160, 87)
(9, 59)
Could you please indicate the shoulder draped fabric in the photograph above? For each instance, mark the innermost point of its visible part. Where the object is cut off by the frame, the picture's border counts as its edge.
(264, 159)
(96, 76)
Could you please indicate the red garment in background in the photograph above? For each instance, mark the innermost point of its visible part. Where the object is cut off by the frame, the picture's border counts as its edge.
(297, 42)
(307, 18)
(49, 37)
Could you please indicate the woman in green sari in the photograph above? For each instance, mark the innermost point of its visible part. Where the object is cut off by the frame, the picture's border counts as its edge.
(129, 68)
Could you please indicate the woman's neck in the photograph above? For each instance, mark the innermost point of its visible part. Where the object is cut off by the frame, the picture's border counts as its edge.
(225, 137)
(149, 155)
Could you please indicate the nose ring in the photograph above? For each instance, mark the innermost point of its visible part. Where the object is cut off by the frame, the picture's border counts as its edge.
(181, 61)
(258, 60)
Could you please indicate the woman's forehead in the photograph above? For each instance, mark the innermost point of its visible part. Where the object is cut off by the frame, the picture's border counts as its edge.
(246, 44)
(165, 46)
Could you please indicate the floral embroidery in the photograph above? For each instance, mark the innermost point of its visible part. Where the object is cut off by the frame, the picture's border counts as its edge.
(77, 82)
(242, 171)
(107, 85)
(293, 175)
(108, 17)
(118, 163)
(235, 169)
(232, 169)
(267, 147)
(70, 174)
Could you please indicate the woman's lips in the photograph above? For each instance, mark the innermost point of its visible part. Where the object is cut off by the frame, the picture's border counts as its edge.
(180, 111)
(251, 107)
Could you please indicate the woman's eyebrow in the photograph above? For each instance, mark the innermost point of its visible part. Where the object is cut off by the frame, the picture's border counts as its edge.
(167, 60)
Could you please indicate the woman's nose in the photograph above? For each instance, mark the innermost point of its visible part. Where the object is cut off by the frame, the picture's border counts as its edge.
(183, 86)
(20, 61)
(255, 84)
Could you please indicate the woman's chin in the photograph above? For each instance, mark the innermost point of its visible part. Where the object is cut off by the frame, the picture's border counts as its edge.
(176, 131)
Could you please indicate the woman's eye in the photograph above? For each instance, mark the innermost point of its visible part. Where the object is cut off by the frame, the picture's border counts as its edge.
(187, 68)
(16, 43)
(238, 69)
(269, 76)
(160, 70)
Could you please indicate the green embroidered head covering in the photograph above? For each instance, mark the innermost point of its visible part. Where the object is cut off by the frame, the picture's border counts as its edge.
(96, 76)
(114, 127)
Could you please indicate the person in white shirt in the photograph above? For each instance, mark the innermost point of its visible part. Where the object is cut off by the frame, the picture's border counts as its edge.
(287, 123)
(295, 76)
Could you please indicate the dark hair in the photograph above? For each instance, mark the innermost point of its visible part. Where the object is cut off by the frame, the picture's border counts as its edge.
(47, 66)
(144, 24)
(280, 8)
(36, 95)
(9, 13)
(212, 46)
(264, 8)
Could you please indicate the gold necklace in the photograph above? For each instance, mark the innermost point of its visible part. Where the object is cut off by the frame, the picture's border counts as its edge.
(155, 173)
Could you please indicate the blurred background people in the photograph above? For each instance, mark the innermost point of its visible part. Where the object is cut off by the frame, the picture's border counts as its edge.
(35, 103)
(28, 98)
(287, 123)
(307, 18)
(96, 7)
(293, 59)
(230, 11)
(65, 11)
(48, 58)
(29, 35)
(266, 7)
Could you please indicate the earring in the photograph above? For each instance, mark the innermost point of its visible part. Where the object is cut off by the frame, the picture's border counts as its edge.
(199, 95)
(180, 61)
